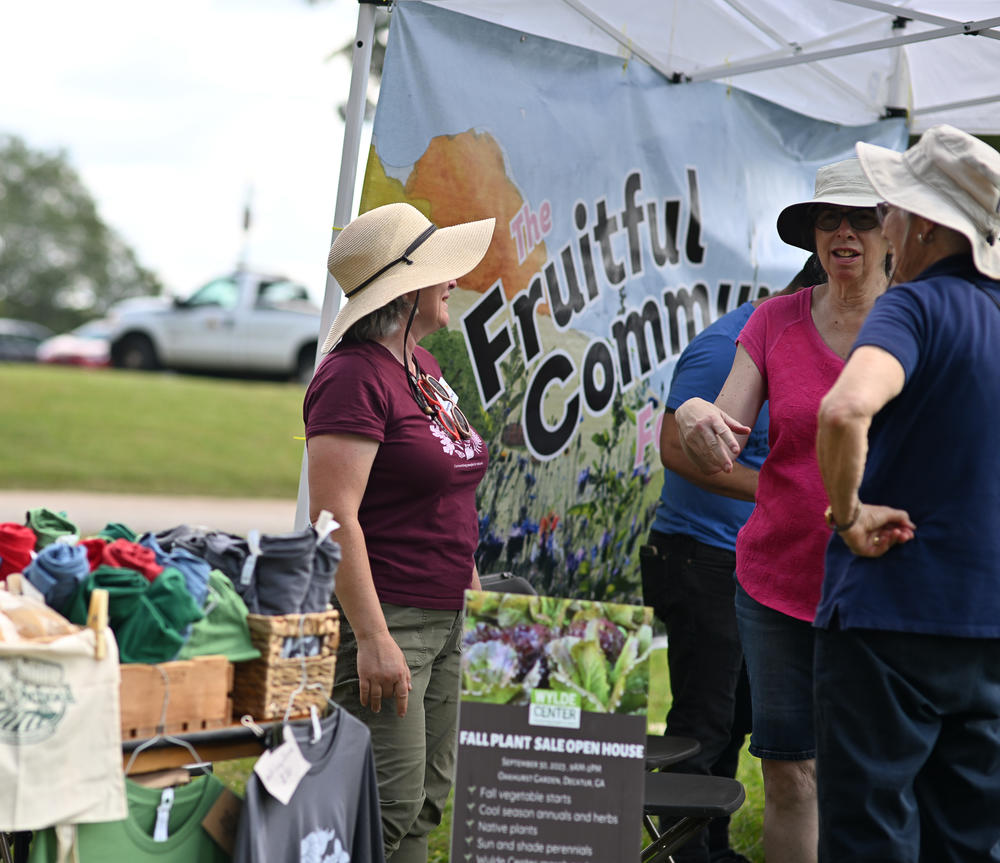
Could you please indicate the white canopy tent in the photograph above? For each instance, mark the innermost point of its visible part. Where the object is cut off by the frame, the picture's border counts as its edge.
(848, 62)
(843, 61)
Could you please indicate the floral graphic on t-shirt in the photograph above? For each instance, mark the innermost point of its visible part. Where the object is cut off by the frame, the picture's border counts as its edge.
(467, 449)
(316, 848)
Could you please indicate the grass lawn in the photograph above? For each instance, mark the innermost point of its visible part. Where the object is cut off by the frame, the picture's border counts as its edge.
(117, 431)
(134, 432)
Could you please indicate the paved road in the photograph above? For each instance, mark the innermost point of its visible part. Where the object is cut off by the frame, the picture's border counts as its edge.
(90, 511)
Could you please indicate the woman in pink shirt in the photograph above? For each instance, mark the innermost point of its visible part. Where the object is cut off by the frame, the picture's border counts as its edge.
(789, 354)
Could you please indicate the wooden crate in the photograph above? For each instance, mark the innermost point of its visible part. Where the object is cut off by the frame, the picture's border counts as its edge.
(198, 696)
(262, 687)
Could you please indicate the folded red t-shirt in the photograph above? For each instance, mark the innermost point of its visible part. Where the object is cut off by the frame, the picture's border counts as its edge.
(16, 544)
(130, 555)
(95, 550)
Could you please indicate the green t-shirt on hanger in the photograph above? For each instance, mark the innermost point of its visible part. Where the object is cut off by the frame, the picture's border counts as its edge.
(132, 839)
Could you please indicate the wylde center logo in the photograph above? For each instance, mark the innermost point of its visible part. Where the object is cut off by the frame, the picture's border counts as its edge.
(33, 699)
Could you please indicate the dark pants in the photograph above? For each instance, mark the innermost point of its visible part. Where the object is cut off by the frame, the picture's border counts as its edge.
(908, 747)
(690, 587)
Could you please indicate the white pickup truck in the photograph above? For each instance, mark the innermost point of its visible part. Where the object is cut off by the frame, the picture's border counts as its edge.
(243, 323)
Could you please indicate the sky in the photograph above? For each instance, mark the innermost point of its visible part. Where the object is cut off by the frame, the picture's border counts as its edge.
(175, 115)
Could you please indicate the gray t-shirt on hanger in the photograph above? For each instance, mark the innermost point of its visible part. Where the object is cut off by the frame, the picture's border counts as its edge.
(333, 816)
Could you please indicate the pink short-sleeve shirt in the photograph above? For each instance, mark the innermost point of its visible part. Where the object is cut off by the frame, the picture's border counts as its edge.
(780, 550)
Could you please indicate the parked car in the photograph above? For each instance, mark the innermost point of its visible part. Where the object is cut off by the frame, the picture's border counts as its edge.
(20, 339)
(243, 323)
(87, 345)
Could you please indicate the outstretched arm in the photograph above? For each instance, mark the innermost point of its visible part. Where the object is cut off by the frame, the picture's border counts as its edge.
(871, 378)
(713, 435)
(741, 483)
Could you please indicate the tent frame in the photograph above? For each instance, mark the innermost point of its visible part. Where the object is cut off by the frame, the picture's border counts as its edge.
(788, 54)
(361, 60)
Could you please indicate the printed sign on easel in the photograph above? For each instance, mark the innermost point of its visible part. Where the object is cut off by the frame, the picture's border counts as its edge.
(552, 730)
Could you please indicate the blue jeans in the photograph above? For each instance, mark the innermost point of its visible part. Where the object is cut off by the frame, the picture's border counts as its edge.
(908, 735)
(689, 585)
(779, 651)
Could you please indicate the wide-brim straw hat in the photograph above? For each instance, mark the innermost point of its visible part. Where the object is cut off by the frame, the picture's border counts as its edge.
(394, 249)
(842, 184)
(949, 177)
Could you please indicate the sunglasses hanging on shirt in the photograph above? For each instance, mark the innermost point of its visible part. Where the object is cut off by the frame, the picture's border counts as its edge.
(439, 402)
(434, 397)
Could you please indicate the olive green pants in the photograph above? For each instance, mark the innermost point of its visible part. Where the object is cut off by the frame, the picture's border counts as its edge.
(415, 754)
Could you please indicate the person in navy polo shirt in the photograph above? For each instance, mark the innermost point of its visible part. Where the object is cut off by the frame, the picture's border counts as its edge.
(907, 659)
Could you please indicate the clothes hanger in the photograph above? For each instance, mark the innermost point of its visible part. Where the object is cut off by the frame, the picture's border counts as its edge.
(169, 738)
(302, 687)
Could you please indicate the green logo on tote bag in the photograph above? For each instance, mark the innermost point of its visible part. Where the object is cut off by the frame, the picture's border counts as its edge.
(33, 699)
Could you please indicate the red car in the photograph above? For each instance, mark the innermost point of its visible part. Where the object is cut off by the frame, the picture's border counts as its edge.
(87, 345)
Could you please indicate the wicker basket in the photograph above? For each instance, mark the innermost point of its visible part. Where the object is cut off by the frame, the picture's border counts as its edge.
(262, 687)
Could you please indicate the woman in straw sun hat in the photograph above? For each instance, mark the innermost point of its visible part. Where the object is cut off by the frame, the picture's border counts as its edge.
(394, 459)
(789, 353)
(908, 651)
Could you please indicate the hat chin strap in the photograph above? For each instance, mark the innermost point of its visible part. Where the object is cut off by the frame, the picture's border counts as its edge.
(406, 337)
(402, 259)
(410, 379)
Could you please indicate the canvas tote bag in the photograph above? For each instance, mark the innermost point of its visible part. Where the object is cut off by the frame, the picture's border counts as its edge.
(60, 732)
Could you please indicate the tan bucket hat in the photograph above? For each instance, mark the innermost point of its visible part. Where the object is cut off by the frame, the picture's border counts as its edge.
(949, 177)
(842, 184)
(394, 249)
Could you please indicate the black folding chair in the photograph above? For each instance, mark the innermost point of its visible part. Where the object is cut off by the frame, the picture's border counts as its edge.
(687, 800)
(507, 582)
(692, 800)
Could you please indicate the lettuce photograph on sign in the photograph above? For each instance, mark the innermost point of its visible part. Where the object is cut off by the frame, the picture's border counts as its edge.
(551, 727)
(630, 214)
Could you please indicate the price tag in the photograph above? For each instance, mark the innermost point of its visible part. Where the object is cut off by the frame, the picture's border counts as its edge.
(160, 833)
(317, 729)
(253, 541)
(281, 769)
(451, 393)
(325, 525)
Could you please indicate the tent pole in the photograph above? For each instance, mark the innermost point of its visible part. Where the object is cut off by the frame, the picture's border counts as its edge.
(353, 121)
(629, 44)
(898, 99)
(729, 71)
(951, 106)
(906, 12)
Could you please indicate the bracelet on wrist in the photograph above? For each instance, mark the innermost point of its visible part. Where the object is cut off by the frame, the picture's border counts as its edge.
(840, 528)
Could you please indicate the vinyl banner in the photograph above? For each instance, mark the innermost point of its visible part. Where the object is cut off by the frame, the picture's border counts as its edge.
(630, 214)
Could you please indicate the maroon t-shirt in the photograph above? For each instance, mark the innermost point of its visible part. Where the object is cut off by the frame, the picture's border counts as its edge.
(418, 512)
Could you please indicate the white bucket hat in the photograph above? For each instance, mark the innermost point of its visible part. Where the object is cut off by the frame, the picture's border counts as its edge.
(394, 249)
(842, 184)
(949, 177)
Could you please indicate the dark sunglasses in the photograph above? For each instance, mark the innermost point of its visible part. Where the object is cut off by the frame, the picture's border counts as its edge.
(435, 400)
(861, 219)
